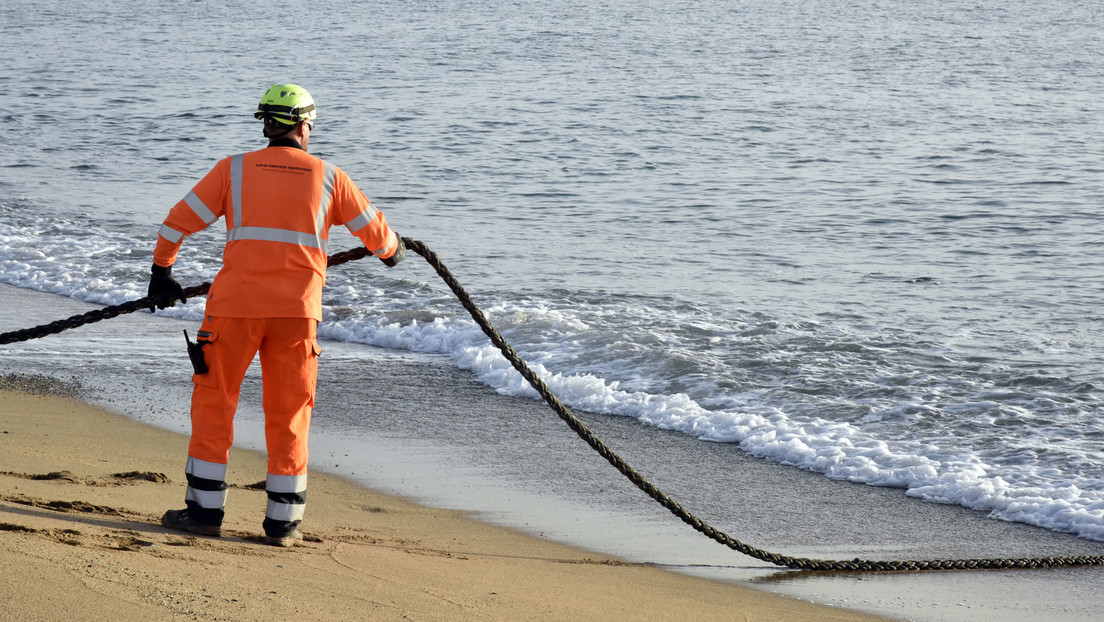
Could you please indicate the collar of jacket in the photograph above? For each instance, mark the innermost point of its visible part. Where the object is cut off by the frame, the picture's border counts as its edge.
(285, 142)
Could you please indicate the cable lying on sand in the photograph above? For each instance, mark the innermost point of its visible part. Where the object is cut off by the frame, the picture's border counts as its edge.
(573, 422)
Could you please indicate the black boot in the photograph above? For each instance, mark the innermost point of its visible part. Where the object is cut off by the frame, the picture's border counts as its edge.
(181, 520)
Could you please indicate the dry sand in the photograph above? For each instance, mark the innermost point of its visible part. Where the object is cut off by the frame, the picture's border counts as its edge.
(82, 491)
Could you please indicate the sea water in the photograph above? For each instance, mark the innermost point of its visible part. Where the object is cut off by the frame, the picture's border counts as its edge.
(860, 238)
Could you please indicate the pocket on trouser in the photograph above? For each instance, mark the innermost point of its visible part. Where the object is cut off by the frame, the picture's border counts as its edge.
(206, 340)
(316, 350)
(289, 370)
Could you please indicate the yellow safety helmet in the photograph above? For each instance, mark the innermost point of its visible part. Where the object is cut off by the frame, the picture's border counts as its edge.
(287, 104)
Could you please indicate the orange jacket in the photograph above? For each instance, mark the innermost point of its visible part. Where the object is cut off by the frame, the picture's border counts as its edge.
(279, 204)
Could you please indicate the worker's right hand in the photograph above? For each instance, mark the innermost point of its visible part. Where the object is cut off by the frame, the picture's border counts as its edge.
(164, 286)
(395, 258)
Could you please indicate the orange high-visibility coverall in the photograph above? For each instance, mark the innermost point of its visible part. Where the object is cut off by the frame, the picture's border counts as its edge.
(278, 204)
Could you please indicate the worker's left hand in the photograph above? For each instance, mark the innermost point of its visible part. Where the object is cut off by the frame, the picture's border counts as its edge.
(163, 285)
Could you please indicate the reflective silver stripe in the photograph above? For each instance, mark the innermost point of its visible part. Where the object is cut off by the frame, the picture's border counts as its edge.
(170, 234)
(311, 240)
(286, 483)
(287, 512)
(210, 499)
(329, 172)
(363, 220)
(200, 208)
(269, 234)
(206, 470)
(391, 242)
(236, 186)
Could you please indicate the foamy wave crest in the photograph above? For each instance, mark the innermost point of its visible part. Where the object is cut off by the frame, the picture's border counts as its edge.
(838, 450)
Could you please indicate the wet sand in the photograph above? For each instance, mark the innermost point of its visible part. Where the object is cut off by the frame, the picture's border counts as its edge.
(82, 490)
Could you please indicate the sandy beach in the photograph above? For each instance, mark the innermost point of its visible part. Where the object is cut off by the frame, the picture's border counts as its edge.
(82, 490)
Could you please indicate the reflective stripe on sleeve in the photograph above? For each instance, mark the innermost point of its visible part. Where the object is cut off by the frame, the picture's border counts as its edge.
(200, 208)
(311, 240)
(391, 242)
(205, 470)
(364, 219)
(209, 499)
(170, 234)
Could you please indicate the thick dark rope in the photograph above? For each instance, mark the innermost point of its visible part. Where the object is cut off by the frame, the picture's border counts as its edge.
(663, 499)
(573, 422)
(107, 313)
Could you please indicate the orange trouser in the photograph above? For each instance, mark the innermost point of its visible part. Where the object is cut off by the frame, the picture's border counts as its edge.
(289, 367)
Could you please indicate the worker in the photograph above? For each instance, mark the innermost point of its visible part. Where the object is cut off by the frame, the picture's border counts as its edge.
(278, 203)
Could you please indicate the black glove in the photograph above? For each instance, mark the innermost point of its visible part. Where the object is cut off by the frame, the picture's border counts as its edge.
(164, 286)
(400, 252)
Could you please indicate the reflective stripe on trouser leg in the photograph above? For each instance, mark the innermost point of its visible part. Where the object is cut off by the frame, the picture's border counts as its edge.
(287, 498)
(206, 492)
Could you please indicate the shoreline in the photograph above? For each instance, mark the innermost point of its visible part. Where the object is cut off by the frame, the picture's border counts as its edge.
(82, 490)
(424, 431)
